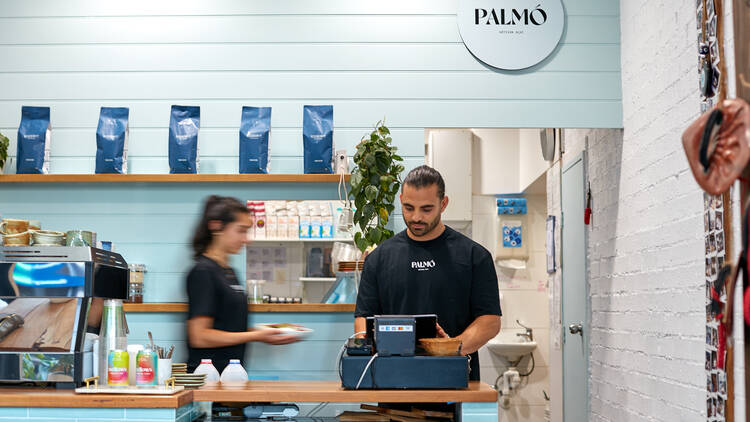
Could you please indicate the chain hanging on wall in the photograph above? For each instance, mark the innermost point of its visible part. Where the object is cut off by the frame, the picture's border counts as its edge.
(718, 358)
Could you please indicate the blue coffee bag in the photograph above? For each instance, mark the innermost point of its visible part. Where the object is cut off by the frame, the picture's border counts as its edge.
(34, 135)
(317, 138)
(183, 139)
(112, 140)
(255, 129)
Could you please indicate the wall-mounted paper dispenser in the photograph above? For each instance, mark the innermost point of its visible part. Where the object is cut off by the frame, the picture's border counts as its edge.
(511, 250)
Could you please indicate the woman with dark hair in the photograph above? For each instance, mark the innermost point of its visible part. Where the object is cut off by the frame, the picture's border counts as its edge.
(217, 304)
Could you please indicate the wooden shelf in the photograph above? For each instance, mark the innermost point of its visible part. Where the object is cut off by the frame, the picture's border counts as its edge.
(171, 178)
(303, 307)
(307, 240)
(155, 307)
(41, 397)
(265, 307)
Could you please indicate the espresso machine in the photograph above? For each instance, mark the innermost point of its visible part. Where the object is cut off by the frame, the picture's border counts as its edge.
(50, 297)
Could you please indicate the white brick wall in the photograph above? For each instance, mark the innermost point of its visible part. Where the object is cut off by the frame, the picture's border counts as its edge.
(646, 278)
(645, 246)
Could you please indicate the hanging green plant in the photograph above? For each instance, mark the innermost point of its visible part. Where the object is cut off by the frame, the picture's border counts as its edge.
(4, 142)
(375, 182)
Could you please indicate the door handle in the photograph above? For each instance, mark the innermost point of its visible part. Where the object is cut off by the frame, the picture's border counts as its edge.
(576, 328)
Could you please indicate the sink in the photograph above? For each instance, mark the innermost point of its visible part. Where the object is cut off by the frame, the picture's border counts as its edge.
(511, 350)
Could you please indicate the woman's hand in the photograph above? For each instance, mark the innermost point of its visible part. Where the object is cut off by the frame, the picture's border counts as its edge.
(274, 337)
(201, 335)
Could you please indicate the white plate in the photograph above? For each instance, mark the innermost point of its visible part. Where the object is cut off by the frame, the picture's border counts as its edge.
(299, 330)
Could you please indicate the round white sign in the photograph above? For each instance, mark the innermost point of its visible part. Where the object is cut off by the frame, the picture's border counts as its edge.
(511, 34)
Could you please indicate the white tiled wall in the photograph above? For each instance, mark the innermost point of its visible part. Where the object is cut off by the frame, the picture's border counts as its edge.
(524, 297)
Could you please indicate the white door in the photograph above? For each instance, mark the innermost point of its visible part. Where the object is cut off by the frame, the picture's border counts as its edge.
(574, 294)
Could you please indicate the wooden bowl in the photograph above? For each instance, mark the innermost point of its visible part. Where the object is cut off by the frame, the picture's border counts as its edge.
(441, 346)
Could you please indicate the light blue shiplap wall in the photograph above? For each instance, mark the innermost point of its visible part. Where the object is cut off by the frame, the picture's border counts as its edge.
(314, 358)
(149, 223)
(400, 59)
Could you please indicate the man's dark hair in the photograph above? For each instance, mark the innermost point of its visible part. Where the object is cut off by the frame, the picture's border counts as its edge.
(424, 176)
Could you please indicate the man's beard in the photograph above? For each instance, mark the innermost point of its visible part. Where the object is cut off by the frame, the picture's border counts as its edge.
(426, 229)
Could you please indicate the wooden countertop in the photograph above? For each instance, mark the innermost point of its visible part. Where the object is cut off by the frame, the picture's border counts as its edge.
(254, 391)
(265, 307)
(331, 391)
(42, 397)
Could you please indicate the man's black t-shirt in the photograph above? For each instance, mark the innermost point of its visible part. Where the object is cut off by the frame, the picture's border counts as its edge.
(214, 291)
(450, 276)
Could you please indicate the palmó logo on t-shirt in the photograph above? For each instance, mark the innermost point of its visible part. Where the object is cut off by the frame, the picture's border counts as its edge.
(423, 265)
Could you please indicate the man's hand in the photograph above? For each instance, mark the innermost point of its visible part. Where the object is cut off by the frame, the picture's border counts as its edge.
(360, 326)
(476, 335)
(441, 332)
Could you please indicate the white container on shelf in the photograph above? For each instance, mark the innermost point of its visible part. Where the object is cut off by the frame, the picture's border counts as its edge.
(234, 375)
(326, 230)
(272, 227)
(315, 223)
(282, 225)
(251, 212)
(304, 223)
(260, 221)
(208, 368)
(293, 229)
(163, 370)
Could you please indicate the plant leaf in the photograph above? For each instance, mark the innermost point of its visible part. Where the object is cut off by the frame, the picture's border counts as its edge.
(383, 212)
(356, 178)
(374, 185)
(383, 165)
(371, 192)
(375, 235)
(361, 243)
(359, 201)
(368, 212)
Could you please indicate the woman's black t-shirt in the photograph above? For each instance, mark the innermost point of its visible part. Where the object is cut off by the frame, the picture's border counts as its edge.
(214, 291)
